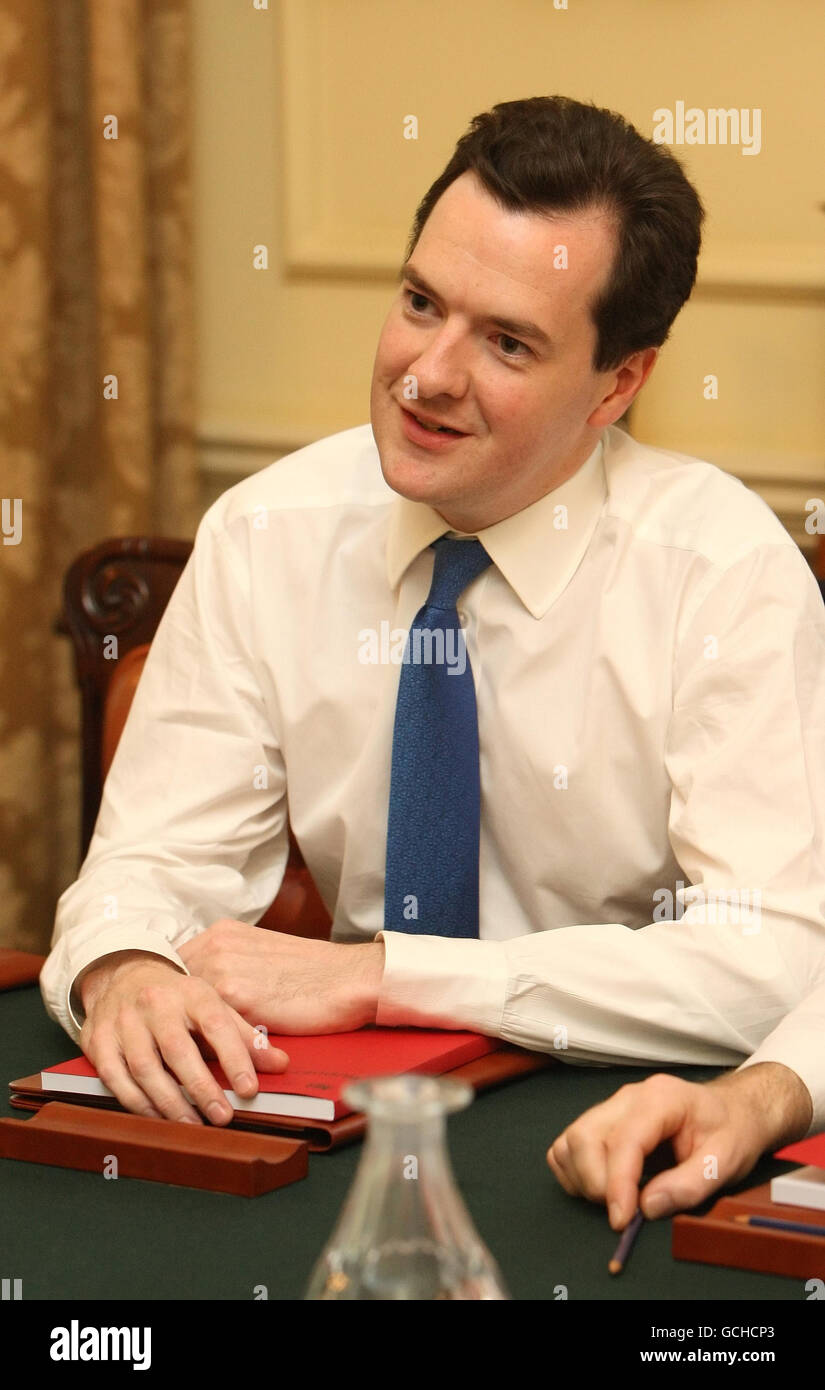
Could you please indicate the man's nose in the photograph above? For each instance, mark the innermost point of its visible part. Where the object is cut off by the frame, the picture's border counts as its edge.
(442, 368)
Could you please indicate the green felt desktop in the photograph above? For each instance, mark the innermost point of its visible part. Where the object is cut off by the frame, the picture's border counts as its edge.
(77, 1235)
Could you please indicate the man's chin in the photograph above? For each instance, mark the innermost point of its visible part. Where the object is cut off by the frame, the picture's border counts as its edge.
(415, 488)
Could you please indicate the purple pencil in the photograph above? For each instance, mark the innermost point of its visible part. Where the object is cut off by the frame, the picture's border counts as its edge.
(625, 1245)
(775, 1224)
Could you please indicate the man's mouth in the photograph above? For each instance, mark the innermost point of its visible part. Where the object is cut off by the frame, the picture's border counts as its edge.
(433, 426)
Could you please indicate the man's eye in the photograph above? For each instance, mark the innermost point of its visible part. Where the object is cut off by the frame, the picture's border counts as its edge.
(505, 338)
(521, 349)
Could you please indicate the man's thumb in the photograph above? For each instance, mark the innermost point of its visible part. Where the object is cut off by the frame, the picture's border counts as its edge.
(686, 1185)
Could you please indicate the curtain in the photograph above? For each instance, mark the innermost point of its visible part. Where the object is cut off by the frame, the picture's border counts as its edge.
(96, 373)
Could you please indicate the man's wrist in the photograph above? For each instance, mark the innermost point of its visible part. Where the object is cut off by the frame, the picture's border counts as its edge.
(780, 1098)
(98, 975)
(368, 977)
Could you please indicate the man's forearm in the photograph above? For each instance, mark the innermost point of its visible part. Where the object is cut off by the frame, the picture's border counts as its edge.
(780, 1100)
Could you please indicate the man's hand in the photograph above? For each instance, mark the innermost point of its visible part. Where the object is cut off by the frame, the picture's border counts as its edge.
(288, 983)
(732, 1120)
(141, 1011)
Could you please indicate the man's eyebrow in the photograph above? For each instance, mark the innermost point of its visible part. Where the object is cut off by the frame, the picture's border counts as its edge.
(515, 328)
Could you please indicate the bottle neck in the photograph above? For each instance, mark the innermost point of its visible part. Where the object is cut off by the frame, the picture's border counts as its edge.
(399, 1137)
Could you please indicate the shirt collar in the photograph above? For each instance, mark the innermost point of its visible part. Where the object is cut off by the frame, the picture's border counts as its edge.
(536, 555)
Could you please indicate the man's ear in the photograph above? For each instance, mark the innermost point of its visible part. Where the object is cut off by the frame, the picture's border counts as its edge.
(628, 380)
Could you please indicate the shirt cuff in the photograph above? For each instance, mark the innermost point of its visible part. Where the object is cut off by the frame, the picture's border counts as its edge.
(802, 1050)
(154, 941)
(442, 982)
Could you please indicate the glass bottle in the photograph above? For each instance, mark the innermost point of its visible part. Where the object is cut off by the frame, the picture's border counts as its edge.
(404, 1231)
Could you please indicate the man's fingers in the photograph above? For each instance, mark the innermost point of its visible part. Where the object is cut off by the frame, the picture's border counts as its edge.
(268, 1059)
(601, 1155)
(185, 1060)
(263, 1055)
(709, 1166)
(625, 1161)
(157, 1029)
(655, 1110)
(587, 1164)
(678, 1188)
(145, 1067)
(240, 1049)
(113, 1072)
(221, 1029)
(143, 1039)
(557, 1158)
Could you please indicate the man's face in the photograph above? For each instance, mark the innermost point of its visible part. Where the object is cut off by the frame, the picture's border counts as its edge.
(528, 409)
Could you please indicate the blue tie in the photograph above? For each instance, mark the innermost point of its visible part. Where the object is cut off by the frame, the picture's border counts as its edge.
(431, 884)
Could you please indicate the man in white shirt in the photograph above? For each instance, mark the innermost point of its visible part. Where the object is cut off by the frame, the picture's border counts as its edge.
(647, 653)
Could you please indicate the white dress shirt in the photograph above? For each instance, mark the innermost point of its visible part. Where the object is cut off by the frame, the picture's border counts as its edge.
(648, 649)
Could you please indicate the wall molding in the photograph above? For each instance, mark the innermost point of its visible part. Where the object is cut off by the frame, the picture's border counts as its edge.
(318, 242)
(780, 269)
(238, 450)
(784, 482)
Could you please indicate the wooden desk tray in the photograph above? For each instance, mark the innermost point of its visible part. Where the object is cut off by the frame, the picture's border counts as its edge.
(217, 1159)
(716, 1239)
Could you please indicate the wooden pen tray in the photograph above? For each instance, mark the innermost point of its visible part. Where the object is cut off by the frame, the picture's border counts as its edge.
(217, 1159)
(716, 1239)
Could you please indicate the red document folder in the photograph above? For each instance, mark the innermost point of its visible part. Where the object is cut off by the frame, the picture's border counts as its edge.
(810, 1151)
(493, 1068)
(320, 1066)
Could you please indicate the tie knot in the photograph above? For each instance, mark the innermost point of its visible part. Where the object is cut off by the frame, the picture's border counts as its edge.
(457, 564)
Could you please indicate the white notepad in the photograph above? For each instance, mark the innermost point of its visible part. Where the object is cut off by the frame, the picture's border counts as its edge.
(802, 1187)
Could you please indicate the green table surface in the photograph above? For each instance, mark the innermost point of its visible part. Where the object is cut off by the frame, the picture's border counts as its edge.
(76, 1235)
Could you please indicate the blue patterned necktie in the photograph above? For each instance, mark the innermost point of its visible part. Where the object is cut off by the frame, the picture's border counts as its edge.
(431, 884)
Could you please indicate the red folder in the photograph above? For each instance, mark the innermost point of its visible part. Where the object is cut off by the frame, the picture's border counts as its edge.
(810, 1151)
(320, 1066)
(506, 1063)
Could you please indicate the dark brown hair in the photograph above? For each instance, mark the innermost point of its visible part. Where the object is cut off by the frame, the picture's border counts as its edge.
(553, 154)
